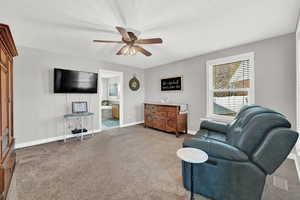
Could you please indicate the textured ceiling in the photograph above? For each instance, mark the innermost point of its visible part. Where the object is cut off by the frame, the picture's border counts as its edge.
(188, 28)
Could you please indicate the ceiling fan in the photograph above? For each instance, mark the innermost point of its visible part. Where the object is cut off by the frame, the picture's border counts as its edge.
(132, 43)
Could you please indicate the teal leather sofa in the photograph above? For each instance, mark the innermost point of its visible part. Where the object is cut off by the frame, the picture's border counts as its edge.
(241, 154)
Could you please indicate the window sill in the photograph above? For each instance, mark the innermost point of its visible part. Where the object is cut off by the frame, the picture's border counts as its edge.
(218, 119)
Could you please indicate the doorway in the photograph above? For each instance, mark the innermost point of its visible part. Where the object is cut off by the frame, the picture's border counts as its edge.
(111, 99)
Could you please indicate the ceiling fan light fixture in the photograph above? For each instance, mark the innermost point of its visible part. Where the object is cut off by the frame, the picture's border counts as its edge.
(129, 51)
(132, 43)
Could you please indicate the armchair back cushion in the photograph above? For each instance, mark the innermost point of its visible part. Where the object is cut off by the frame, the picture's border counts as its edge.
(252, 126)
(274, 149)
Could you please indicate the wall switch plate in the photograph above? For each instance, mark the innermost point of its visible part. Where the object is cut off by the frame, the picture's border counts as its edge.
(280, 183)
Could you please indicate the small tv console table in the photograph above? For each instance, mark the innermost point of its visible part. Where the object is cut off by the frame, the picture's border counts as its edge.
(80, 116)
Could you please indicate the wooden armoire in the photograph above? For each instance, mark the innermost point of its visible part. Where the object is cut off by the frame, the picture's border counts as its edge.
(8, 156)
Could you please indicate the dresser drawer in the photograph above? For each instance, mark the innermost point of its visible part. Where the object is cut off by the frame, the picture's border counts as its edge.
(168, 108)
(172, 115)
(161, 114)
(150, 108)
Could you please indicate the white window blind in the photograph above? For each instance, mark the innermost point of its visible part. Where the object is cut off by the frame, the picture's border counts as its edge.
(230, 85)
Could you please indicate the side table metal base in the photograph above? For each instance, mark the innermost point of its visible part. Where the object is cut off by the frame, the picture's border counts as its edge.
(192, 182)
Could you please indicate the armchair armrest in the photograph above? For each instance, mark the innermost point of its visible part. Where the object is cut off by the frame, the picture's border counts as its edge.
(214, 126)
(216, 149)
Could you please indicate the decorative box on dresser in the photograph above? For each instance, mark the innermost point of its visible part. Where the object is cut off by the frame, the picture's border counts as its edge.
(166, 117)
(8, 156)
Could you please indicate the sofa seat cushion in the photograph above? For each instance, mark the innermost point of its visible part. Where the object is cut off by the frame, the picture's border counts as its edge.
(204, 133)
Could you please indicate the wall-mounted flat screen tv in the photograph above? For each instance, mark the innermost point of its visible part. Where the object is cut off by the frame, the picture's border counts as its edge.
(70, 81)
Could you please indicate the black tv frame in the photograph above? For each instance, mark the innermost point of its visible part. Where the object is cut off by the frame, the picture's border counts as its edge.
(59, 92)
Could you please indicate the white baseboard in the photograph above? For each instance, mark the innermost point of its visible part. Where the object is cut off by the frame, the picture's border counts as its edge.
(291, 156)
(132, 124)
(192, 132)
(294, 157)
(48, 140)
(61, 137)
(297, 163)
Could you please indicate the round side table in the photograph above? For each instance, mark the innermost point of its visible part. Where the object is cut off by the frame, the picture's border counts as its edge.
(192, 156)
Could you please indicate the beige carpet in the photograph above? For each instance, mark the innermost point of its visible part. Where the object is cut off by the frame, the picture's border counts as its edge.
(118, 164)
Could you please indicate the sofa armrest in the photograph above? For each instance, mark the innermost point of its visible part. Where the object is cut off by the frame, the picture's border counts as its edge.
(216, 149)
(214, 126)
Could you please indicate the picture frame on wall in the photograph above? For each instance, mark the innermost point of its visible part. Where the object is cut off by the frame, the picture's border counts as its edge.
(171, 84)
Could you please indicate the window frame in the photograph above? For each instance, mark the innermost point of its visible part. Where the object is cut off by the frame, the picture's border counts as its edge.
(209, 77)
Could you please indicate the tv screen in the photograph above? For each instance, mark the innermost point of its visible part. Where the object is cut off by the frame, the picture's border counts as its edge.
(69, 81)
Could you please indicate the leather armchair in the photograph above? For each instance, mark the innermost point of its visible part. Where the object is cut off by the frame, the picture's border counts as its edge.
(241, 154)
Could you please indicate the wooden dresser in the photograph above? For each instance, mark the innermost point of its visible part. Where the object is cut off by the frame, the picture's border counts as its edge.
(165, 117)
(8, 156)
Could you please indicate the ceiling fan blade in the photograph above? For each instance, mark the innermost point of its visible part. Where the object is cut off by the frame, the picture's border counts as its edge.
(142, 50)
(108, 41)
(121, 50)
(124, 33)
(149, 41)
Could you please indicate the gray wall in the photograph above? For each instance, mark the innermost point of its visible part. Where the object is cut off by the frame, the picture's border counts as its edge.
(275, 78)
(38, 111)
(104, 88)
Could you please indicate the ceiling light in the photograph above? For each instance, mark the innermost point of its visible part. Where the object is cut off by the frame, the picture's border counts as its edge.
(129, 51)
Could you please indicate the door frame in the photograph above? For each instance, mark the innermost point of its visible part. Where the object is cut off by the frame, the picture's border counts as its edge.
(121, 111)
(298, 83)
(297, 147)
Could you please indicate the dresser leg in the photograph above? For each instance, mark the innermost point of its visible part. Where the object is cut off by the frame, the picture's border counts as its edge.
(177, 134)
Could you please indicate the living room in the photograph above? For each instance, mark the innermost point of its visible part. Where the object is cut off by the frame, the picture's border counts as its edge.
(150, 100)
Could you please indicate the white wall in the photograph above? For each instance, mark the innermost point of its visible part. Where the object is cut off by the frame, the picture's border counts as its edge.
(38, 112)
(275, 78)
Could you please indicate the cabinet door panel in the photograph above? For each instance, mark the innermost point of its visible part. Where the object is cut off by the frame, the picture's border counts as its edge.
(171, 125)
(149, 120)
(159, 123)
(10, 102)
(4, 111)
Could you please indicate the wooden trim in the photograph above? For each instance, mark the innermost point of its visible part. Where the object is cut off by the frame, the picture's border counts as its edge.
(7, 164)
(3, 67)
(8, 40)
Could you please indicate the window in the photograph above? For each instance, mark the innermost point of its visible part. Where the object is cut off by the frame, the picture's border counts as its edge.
(230, 85)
